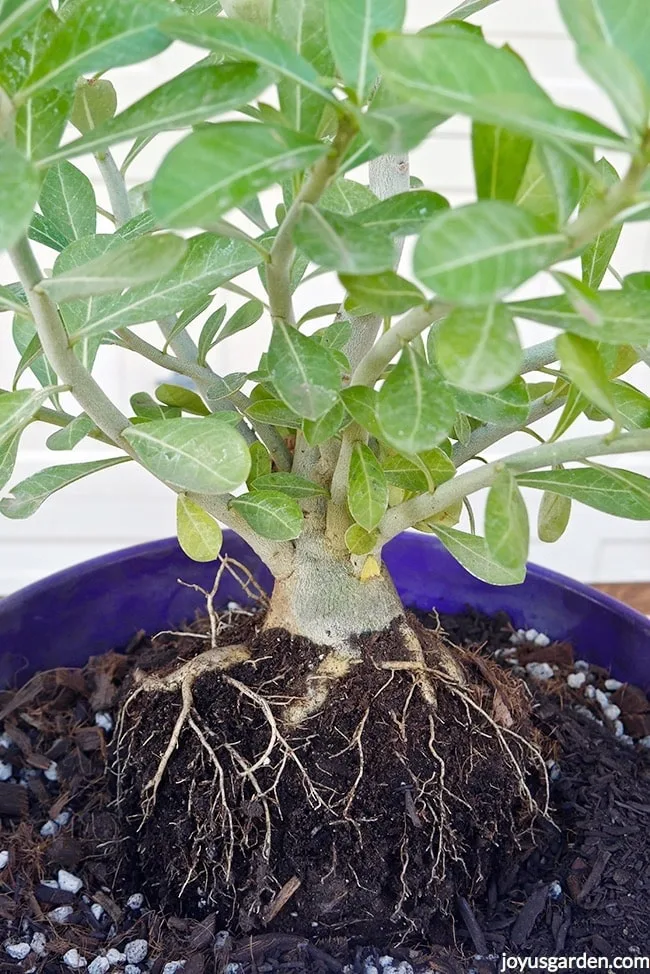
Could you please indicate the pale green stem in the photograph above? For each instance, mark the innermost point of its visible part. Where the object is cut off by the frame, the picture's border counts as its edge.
(485, 436)
(115, 186)
(539, 356)
(372, 365)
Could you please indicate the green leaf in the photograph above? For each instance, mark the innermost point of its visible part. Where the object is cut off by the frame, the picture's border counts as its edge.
(289, 483)
(186, 317)
(415, 408)
(28, 344)
(403, 214)
(304, 373)
(474, 555)
(583, 364)
(597, 255)
(27, 496)
(358, 541)
(182, 398)
(320, 430)
(194, 96)
(271, 513)
(8, 454)
(500, 161)
(480, 252)
(273, 412)
(12, 300)
(340, 244)
(67, 201)
(625, 314)
(208, 333)
(468, 8)
(220, 166)
(135, 262)
(346, 197)
(260, 462)
(337, 335)
(452, 73)
(194, 454)
(19, 186)
(44, 232)
(302, 25)
(553, 516)
(361, 403)
(552, 186)
(583, 298)
(367, 488)
(506, 407)
(95, 101)
(17, 15)
(622, 493)
(209, 262)
(420, 473)
(622, 81)
(387, 293)
(200, 6)
(625, 28)
(392, 126)
(95, 36)
(145, 407)
(632, 405)
(478, 348)
(223, 386)
(243, 318)
(506, 523)
(137, 225)
(18, 408)
(68, 437)
(248, 42)
(199, 535)
(351, 27)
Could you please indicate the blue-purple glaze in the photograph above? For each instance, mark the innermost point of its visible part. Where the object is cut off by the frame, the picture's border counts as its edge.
(100, 604)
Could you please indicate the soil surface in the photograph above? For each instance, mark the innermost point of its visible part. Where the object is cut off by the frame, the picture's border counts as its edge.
(575, 882)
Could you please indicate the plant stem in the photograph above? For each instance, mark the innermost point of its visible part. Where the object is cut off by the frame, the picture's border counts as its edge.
(420, 508)
(539, 356)
(372, 365)
(485, 436)
(115, 186)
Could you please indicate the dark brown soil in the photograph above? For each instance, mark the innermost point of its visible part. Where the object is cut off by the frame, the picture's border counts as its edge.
(583, 885)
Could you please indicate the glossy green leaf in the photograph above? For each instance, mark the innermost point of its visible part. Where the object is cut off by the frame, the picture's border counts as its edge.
(67, 201)
(597, 255)
(303, 372)
(192, 97)
(478, 349)
(199, 535)
(245, 316)
(181, 397)
(94, 36)
(367, 488)
(302, 25)
(260, 462)
(340, 244)
(509, 406)
(480, 252)
(500, 161)
(553, 516)
(68, 437)
(317, 431)
(386, 294)
(622, 493)
(19, 187)
(137, 225)
(403, 214)
(18, 408)
(625, 28)
(582, 362)
(219, 166)
(474, 555)
(454, 73)
(193, 454)
(17, 16)
(361, 403)
(506, 523)
(358, 541)
(420, 473)
(415, 408)
(290, 484)
(271, 513)
(27, 496)
(351, 27)
(625, 314)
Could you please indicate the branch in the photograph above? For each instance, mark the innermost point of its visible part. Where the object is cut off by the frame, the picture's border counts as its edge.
(485, 436)
(420, 508)
(538, 356)
(115, 186)
(372, 365)
(59, 418)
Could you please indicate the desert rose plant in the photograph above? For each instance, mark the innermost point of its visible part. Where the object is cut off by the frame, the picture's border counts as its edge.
(364, 416)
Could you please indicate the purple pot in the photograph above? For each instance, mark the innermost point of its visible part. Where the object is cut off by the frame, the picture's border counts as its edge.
(100, 604)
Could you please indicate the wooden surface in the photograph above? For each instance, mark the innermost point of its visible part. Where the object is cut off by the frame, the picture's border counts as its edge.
(635, 594)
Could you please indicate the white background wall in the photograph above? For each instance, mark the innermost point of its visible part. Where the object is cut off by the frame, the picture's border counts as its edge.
(124, 506)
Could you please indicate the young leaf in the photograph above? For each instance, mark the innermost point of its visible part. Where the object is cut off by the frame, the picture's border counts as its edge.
(358, 541)
(219, 166)
(632, 405)
(17, 15)
(403, 214)
(474, 555)
(347, 197)
(27, 496)
(271, 513)
(67, 200)
(28, 344)
(209, 331)
(625, 28)
(337, 335)
(18, 408)
(273, 412)
(478, 253)
(223, 386)
(243, 318)
(136, 262)
(367, 488)
(289, 483)
(597, 255)
(180, 397)
(500, 161)
(387, 293)
(553, 516)
(19, 186)
(340, 244)
(361, 403)
(302, 25)
(12, 300)
(478, 348)
(415, 408)
(303, 372)
(68, 437)
(320, 430)
(351, 27)
(622, 493)
(95, 101)
(583, 364)
(145, 407)
(193, 454)
(506, 523)
(509, 406)
(8, 454)
(94, 36)
(199, 535)
(260, 463)
(192, 97)
(625, 314)
(420, 473)
(454, 72)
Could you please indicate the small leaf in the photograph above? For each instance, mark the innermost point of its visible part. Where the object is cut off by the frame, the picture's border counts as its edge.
(19, 185)
(289, 483)
(8, 454)
(351, 27)
(260, 463)
(68, 437)
(68, 202)
(95, 101)
(367, 488)
(320, 430)
(304, 372)
(553, 516)
(27, 496)
(19, 408)
(208, 332)
(145, 407)
(243, 318)
(632, 405)
(583, 364)
(500, 161)
(181, 398)
(346, 197)
(403, 214)
(13, 299)
(478, 349)
(358, 541)
(361, 403)
(386, 293)
(474, 555)
(509, 406)
(415, 409)
(622, 493)
(478, 253)
(420, 473)
(506, 523)
(199, 535)
(273, 412)
(370, 569)
(223, 386)
(220, 166)
(598, 254)
(340, 244)
(201, 455)
(17, 15)
(271, 513)
(337, 335)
